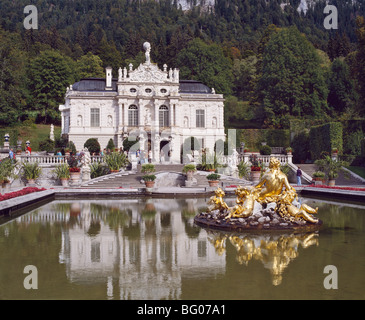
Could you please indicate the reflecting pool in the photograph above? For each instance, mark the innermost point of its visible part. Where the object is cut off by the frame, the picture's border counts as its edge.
(151, 249)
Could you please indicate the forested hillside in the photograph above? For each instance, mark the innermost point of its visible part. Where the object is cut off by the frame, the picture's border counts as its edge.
(267, 58)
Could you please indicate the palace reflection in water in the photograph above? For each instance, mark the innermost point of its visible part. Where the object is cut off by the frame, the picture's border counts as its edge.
(151, 249)
(146, 245)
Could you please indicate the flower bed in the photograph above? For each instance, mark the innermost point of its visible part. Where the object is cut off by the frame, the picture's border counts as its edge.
(19, 193)
(337, 188)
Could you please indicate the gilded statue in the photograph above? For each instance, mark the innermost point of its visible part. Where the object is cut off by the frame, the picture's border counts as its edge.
(246, 197)
(290, 211)
(272, 183)
(272, 187)
(216, 202)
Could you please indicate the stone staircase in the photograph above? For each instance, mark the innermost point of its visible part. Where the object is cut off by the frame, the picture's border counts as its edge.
(309, 169)
(167, 175)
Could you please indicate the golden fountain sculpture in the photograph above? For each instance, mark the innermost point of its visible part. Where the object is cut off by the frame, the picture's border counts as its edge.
(278, 201)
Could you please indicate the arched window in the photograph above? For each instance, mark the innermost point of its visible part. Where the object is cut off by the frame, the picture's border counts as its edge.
(164, 116)
(133, 116)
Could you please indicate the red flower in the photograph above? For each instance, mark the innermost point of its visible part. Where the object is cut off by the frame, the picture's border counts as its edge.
(255, 168)
(19, 193)
(74, 169)
(338, 188)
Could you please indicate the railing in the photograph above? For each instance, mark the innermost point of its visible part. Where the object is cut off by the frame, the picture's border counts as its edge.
(51, 159)
(265, 159)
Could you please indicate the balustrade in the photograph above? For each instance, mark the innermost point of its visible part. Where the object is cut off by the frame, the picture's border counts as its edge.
(51, 159)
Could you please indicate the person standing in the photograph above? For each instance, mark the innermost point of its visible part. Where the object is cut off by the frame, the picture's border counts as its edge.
(11, 154)
(299, 177)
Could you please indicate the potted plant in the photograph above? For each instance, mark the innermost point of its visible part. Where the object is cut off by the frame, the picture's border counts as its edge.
(189, 170)
(75, 170)
(62, 172)
(7, 167)
(318, 177)
(331, 167)
(244, 169)
(255, 171)
(31, 172)
(213, 179)
(148, 178)
(289, 150)
(209, 162)
(116, 161)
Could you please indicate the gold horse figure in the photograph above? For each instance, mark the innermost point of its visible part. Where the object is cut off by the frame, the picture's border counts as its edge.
(216, 202)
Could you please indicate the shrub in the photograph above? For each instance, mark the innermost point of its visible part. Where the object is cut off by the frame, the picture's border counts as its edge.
(265, 150)
(62, 171)
(116, 160)
(93, 145)
(47, 145)
(213, 176)
(189, 167)
(98, 169)
(71, 146)
(31, 170)
(149, 177)
(110, 144)
(148, 168)
(331, 167)
(244, 170)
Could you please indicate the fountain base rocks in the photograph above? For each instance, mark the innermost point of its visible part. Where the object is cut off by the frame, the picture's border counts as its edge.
(270, 205)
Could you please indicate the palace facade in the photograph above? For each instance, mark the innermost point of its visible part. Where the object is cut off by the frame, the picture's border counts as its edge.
(145, 104)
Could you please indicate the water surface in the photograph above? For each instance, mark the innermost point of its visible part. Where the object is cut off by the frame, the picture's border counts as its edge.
(151, 249)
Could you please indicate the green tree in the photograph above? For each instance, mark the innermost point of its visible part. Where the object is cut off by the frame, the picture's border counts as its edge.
(50, 73)
(13, 91)
(206, 63)
(89, 66)
(342, 93)
(244, 73)
(292, 82)
(360, 62)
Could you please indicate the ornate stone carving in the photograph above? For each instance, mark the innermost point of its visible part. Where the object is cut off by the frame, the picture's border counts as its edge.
(148, 73)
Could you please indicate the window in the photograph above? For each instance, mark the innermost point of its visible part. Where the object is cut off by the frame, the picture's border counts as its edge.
(133, 90)
(200, 118)
(95, 117)
(163, 90)
(164, 116)
(148, 90)
(133, 116)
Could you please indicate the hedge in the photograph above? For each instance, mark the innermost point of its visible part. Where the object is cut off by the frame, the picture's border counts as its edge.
(273, 137)
(324, 138)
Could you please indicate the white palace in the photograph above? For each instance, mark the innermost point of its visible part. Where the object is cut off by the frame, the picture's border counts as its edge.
(148, 104)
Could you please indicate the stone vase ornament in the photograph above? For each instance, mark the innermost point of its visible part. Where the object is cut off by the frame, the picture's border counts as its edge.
(255, 176)
(64, 182)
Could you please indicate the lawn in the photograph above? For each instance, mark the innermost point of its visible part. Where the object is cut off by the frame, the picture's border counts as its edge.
(358, 170)
(34, 133)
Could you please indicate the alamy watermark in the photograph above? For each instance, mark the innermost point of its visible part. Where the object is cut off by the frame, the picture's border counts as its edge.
(330, 281)
(31, 20)
(331, 21)
(31, 280)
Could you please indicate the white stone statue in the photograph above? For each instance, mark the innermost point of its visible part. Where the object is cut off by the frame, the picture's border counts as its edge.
(147, 48)
(51, 134)
(85, 165)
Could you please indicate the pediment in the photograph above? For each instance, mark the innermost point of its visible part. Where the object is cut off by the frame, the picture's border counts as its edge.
(148, 73)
